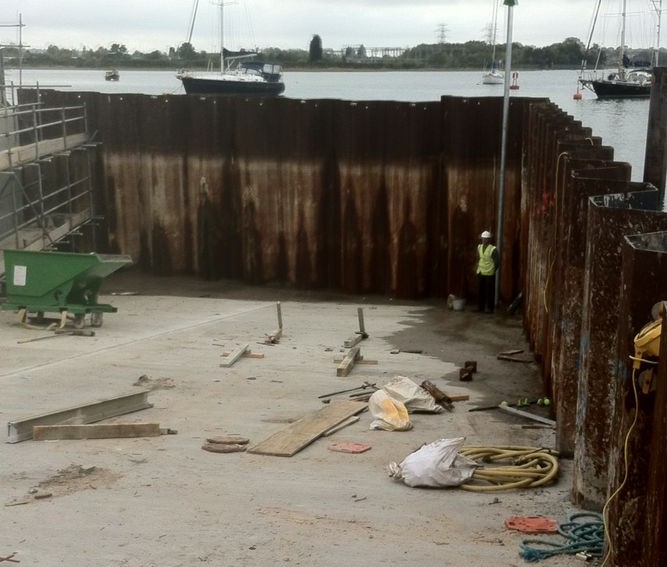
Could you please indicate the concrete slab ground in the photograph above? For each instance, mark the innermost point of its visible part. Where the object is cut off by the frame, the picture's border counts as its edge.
(163, 501)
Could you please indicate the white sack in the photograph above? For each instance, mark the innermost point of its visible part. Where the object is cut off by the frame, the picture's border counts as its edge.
(436, 464)
(413, 396)
(388, 414)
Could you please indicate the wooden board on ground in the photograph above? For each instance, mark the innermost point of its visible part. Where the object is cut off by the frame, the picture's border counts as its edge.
(21, 429)
(352, 341)
(246, 354)
(335, 428)
(95, 431)
(303, 432)
(359, 360)
(513, 358)
(231, 358)
(348, 362)
(459, 397)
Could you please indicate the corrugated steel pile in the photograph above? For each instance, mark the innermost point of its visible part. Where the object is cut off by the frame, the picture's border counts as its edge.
(390, 197)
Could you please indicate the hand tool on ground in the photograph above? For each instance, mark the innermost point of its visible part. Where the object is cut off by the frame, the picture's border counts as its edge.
(362, 387)
(363, 396)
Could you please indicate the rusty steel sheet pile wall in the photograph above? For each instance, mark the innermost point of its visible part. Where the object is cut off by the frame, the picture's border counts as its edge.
(582, 178)
(471, 159)
(356, 196)
(572, 311)
(547, 129)
(656, 488)
(610, 218)
(631, 524)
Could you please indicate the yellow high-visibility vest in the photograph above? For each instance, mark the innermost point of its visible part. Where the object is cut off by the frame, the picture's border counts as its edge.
(486, 265)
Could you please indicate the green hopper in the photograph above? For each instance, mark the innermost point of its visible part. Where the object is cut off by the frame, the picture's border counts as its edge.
(61, 282)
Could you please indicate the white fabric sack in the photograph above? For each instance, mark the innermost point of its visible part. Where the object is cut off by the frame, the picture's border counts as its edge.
(436, 464)
(387, 413)
(413, 396)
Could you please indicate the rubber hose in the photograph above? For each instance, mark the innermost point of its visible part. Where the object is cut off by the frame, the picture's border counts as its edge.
(522, 467)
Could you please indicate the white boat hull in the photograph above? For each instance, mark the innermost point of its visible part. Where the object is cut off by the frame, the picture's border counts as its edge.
(493, 78)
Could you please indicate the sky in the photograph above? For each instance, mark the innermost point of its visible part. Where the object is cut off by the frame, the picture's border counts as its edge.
(147, 25)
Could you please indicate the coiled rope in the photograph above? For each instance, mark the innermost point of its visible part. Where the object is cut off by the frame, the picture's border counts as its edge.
(504, 468)
(580, 537)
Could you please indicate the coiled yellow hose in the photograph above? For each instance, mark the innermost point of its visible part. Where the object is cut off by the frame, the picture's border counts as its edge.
(510, 467)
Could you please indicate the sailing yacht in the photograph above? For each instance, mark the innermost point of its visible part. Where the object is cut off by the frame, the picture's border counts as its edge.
(236, 77)
(493, 75)
(624, 82)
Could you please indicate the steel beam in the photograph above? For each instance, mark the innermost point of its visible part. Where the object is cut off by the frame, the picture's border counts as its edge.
(21, 429)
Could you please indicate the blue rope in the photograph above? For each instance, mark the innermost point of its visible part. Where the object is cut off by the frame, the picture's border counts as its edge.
(580, 536)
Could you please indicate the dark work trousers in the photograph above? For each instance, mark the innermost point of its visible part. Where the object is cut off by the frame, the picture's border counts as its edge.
(487, 292)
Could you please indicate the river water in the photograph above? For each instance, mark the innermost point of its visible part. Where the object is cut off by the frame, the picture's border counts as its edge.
(621, 124)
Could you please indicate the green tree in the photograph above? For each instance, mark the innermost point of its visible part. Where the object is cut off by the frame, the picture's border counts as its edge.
(186, 52)
(315, 49)
(118, 49)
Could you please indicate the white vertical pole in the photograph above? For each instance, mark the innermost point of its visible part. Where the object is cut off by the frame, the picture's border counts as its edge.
(503, 146)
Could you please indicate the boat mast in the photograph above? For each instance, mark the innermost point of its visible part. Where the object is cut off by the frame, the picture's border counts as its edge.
(657, 6)
(621, 67)
(494, 33)
(222, 37)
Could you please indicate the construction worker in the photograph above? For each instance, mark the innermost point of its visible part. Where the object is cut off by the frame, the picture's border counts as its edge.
(487, 265)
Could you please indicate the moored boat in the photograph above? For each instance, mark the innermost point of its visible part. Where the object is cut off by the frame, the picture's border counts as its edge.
(493, 75)
(250, 78)
(625, 81)
(236, 76)
(635, 83)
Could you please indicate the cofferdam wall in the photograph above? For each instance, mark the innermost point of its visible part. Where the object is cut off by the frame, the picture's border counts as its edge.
(365, 197)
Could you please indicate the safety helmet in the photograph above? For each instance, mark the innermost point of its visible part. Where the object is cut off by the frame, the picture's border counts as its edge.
(486, 234)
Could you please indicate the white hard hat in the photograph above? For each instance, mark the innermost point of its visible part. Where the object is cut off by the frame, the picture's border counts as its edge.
(486, 234)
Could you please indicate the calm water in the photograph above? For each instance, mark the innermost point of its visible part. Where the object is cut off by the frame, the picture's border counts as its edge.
(620, 123)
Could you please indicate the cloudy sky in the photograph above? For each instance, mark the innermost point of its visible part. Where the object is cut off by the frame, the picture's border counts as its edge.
(146, 25)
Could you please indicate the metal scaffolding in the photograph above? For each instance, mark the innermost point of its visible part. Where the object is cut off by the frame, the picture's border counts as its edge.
(46, 189)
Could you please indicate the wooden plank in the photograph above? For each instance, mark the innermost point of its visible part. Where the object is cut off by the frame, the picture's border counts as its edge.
(21, 429)
(30, 152)
(95, 431)
(352, 341)
(528, 415)
(514, 358)
(345, 367)
(359, 360)
(459, 397)
(335, 428)
(235, 355)
(246, 354)
(303, 432)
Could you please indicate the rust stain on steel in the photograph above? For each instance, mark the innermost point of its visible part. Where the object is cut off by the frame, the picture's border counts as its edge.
(656, 507)
(549, 128)
(631, 524)
(586, 178)
(538, 197)
(470, 176)
(353, 196)
(610, 218)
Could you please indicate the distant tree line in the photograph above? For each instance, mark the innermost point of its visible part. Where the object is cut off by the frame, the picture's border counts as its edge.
(567, 54)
